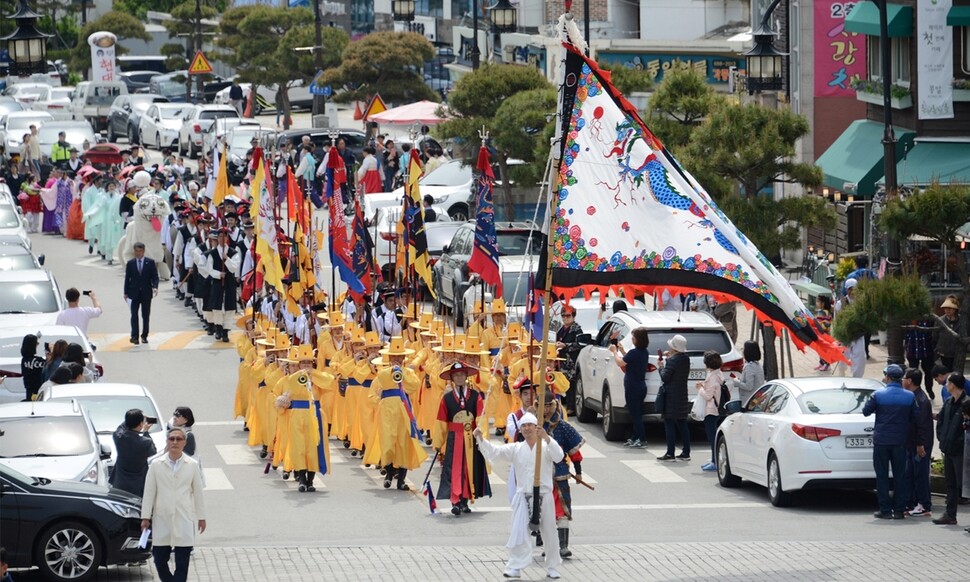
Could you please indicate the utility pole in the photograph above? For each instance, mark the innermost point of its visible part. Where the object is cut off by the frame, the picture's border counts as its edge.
(318, 105)
(199, 96)
(476, 55)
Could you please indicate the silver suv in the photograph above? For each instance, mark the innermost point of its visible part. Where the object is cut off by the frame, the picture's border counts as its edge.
(599, 384)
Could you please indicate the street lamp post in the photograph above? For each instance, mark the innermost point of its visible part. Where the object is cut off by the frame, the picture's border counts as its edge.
(765, 62)
(27, 45)
(894, 333)
(476, 55)
(503, 16)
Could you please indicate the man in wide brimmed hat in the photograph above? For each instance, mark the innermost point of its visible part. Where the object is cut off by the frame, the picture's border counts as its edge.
(464, 475)
(395, 443)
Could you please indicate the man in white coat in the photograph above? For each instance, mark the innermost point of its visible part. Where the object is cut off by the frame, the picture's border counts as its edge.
(522, 457)
(172, 505)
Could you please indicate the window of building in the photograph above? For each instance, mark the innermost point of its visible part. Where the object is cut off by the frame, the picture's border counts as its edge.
(429, 8)
(900, 59)
(459, 8)
(965, 36)
(361, 16)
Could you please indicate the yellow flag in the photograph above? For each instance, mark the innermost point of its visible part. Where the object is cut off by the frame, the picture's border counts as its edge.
(223, 188)
(418, 256)
(266, 248)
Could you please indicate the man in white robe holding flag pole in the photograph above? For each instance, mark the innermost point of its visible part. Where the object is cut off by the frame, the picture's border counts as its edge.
(522, 456)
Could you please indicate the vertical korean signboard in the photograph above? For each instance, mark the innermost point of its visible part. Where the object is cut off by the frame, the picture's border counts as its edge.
(840, 56)
(102, 56)
(934, 59)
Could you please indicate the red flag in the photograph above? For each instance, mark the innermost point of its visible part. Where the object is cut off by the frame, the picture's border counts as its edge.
(293, 195)
(484, 258)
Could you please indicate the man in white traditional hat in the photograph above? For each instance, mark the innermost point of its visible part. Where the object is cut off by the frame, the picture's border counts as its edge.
(522, 457)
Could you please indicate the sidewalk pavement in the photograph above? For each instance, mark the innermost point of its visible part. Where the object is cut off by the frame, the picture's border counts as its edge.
(751, 561)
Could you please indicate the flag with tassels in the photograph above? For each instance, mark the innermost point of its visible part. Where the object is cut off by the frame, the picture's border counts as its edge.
(336, 177)
(432, 504)
(361, 255)
(534, 317)
(262, 212)
(417, 239)
(484, 258)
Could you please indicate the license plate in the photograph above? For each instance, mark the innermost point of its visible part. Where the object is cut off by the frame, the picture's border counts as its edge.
(864, 442)
(697, 375)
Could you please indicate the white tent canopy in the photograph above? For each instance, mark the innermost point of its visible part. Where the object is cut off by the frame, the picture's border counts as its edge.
(423, 112)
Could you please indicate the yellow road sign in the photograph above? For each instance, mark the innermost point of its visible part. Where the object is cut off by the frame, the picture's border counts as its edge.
(200, 65)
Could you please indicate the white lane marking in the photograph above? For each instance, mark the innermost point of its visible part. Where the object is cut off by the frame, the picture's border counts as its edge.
(654, 472)
(634, 507)
(216, 480)
(590, 453)
(238, 455)
(219, 423)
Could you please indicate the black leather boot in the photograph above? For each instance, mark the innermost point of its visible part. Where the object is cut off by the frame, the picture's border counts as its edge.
(401, 476)
(301, 479)
(309, 481)
(564, 551)
(209, 328)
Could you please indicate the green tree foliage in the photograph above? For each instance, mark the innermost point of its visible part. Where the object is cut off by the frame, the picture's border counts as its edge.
(905, 297)
(679, 105)
(176, 60)
(123, 25)
(511, 102)
(140, 8)
(389, 63)
(937, 213)
(740, 149)
(773, 224)
(627, 79)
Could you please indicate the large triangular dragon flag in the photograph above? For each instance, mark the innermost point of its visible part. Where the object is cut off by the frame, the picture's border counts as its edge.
(484, 258)
(340, 257)
(625, 214)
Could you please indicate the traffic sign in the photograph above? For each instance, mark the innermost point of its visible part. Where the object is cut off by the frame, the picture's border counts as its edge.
(318, 90)
(200, 65)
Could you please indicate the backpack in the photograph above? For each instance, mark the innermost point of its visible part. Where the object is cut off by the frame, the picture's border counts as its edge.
(722, 400)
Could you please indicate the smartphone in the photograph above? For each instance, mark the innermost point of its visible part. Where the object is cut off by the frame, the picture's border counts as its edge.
(151, 420)
(660, 356)
(87, 292)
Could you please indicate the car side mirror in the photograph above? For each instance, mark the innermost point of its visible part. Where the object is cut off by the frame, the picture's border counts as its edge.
(584, 339)
(127, 107)
(41, 259)
(105, 452)
(446, 249)
(157, 120)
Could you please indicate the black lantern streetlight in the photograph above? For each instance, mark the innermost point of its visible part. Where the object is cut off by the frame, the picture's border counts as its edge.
(26, 45)
(403, 10)
(764, 62)
(503, 16)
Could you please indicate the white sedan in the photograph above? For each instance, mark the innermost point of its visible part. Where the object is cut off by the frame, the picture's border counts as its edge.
(159, 126)
(107, 403)
(800, 433)
(57, 103)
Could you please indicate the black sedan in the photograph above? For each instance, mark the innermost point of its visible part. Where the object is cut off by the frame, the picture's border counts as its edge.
(67, 529)
(126, 112)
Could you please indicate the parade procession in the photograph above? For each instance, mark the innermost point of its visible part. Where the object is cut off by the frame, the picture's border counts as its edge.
(542, 329)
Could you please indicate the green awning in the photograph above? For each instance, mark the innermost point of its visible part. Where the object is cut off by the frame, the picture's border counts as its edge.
(929, 162)
(856, 156)
(958, 16)
(864, 19)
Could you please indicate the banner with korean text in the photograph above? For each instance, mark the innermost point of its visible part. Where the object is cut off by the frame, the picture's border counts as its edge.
(934, 59)
(103, 56)
(840, 56)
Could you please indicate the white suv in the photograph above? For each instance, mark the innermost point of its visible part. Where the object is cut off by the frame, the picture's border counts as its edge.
(599, 385)
(196, 120)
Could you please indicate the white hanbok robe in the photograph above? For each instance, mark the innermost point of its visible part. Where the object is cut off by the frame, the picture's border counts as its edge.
(522, 457)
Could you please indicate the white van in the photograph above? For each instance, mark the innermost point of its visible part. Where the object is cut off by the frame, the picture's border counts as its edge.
(92, 101)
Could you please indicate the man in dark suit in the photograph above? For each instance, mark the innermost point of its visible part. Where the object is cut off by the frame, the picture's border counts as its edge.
(141, 285)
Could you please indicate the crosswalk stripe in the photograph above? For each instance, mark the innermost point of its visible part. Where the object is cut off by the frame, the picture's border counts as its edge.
(237, 455)
(216, 480)
(180, 340)
(654, 472)
(590, 453)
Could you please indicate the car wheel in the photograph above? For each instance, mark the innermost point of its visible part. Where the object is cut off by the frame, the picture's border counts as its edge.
(458, 213)
(583, 412)
(611, 429)
(69, 551)
(459, 309)
(192, 152)
(437, 306)
(132, 136)
(778, 497)
(725, 477)
(111, 132)
(158, 140)
(141, 138)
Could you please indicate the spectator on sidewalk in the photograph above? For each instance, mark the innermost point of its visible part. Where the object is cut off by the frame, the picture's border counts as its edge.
(920, 351)
(752, 374)
(76, 315)
(31, 366)
(940, 375)
(950, 433)
(133, 448)
(895, 410)
(919, 446)
(949, 333)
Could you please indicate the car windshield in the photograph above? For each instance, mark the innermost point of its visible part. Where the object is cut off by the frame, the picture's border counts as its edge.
(452, 174)
(241, 140)
(75, 135)
(107, 412)
(141, 105)
(45, 436)
(9, 106)
(515, 288)
(217, 114)
(25, 122)
(698, 340)
(61, 92)
(170, 112)
(171, 88)
(27, 297)
(16, 263)
(439, 237)
(514, 243)
(834, 401)
(40, 93)
(10, 345)
(9, 217)
(103, 95)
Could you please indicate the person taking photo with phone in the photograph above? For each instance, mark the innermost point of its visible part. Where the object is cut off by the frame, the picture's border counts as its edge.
(133, 448)
(76, 315)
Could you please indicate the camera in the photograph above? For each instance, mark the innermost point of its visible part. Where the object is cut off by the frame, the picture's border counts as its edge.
(614, 342)
(86, 292)
(47, 346)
